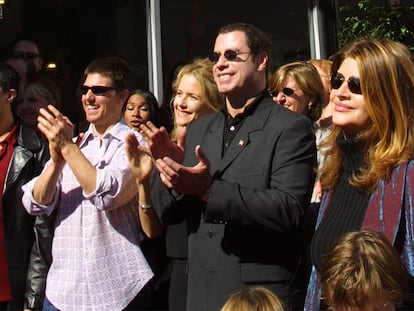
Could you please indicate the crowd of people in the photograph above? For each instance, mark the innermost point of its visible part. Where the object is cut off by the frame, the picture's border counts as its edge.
(267, 190)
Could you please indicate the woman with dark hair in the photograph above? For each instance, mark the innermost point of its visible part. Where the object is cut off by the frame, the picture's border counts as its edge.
(140, 107)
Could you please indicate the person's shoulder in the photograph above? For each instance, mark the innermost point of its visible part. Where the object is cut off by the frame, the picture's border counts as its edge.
(120, 129)
(207, 119)
(278, 113)
(30, 139)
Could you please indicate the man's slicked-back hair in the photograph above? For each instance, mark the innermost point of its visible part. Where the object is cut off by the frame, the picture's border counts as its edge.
(257, 40)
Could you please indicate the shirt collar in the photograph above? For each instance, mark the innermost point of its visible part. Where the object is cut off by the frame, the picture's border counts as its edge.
(249, 109)
(117, 131)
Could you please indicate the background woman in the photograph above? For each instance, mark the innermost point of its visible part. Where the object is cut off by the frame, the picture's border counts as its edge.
(140, 107)
(298, 87)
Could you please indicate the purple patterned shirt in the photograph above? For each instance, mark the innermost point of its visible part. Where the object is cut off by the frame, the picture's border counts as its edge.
(97, 259)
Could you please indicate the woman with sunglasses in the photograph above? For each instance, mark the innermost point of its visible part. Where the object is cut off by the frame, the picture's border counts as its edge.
(368, 174)
(298, 87)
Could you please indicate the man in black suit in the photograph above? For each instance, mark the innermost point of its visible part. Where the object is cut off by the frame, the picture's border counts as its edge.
(244, 183)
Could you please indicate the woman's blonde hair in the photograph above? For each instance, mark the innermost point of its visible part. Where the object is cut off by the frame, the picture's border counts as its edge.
(307, 79)
(363, 268)
(45, 87)
(387, 84)
(202, 70)
(253, 299)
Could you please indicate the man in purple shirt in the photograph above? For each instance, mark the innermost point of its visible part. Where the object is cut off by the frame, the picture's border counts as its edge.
(97, 260)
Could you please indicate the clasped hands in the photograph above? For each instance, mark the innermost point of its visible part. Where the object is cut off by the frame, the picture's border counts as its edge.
(168, 156)
(58, 130)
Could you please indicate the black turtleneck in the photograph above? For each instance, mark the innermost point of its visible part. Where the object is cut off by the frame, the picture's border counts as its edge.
(347, 206)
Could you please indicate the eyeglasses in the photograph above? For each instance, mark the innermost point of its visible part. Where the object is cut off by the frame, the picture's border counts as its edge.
(97, 90)
(288, 91)
(229, 55)
(354, 84)
(28, 55)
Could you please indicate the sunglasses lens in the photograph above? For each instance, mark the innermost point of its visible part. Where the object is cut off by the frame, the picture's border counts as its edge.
(288, 91)
(96, 90)
(84, 89)
(214, 57)
(336, 81)
(99, 90)
(29, 55)
(230, 55)
(354, 85)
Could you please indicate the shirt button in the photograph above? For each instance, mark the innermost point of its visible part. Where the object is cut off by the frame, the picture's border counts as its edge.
(232, 128)
(210, 233)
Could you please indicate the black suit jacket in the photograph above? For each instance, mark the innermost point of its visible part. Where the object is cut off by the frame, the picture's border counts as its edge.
(250, 230)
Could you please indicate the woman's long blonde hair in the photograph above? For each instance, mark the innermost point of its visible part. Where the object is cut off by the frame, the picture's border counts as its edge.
(386, 73)
(202, 70)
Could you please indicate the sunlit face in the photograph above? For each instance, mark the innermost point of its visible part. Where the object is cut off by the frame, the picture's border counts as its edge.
(103, 110)
(28, 107)
(349, 109)
(136, 111)
(298, 101)
(189, 101)
(234, 76)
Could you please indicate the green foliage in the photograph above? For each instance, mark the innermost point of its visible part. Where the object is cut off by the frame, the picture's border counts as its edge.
(378, 19)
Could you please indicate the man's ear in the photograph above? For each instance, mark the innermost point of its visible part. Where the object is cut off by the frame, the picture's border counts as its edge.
(262, 60)
(11, 95)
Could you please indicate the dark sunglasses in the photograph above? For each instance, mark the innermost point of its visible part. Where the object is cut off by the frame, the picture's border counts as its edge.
(229, 55)
(353, 83)
(288, 91)
(28, 55)
(97, 90)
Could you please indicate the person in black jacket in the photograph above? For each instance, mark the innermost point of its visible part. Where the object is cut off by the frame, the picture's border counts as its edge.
(243, 183)
(22, 156)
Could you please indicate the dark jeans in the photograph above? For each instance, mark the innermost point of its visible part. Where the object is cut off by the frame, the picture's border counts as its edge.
(47, 306)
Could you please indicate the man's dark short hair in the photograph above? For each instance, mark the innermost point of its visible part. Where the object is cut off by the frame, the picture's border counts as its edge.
(113, 67)
(9, 79)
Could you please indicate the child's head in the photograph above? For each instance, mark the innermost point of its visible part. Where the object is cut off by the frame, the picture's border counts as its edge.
(363, 271)
(255, 298)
